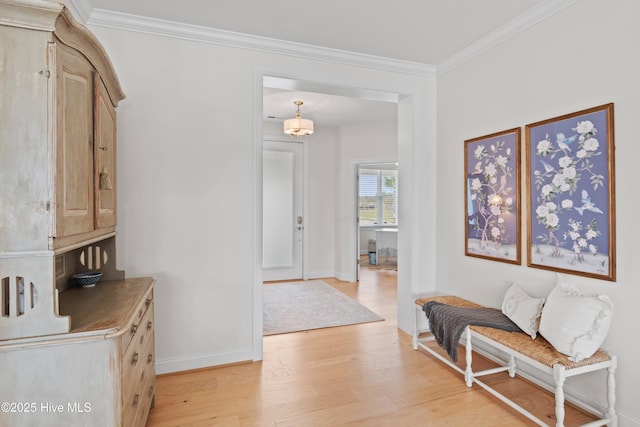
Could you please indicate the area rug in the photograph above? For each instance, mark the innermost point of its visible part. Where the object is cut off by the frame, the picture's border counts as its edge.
(300, 306)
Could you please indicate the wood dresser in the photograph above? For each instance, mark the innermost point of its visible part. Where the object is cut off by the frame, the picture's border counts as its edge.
(100, 373)
(69, 356)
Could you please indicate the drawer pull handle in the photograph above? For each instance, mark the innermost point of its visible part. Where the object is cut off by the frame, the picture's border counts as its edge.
(134, 359)
(134, 328)
(149, 358)
(136, 399)
(148, 302)
(149, 325)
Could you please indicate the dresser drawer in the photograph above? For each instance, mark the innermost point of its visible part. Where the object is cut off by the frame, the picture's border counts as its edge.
(138, 372)
(140, 391)
(139, 358)
(137, 322)
(137, 409)
(146, 401)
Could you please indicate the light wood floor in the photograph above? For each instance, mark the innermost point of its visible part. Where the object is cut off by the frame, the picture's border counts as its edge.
(358, 375)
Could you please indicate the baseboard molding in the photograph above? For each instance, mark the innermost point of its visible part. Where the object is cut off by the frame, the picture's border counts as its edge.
(343, 277)
(319, 275)
(177, 364)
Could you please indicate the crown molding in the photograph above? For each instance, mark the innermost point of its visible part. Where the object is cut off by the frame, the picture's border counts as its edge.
(128, 22)
(110, 19)
(505, 32)
(80, 9)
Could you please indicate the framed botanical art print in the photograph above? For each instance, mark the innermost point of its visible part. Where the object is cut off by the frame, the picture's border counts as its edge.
(571, 193)
(492, 196)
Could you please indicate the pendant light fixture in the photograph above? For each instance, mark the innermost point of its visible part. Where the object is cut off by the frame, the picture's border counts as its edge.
(298, 126)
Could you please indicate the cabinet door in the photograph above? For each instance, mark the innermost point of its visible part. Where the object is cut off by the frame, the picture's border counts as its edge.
(74, 143)
(105, 161)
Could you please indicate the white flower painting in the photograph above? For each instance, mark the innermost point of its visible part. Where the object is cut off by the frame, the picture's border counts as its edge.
(570, 160)
(492, 196)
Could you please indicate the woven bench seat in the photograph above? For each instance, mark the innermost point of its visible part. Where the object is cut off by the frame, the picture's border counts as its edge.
(519, 346)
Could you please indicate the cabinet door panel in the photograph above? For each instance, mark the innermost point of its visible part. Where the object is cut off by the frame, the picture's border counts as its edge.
(105, 143)
(74, 154)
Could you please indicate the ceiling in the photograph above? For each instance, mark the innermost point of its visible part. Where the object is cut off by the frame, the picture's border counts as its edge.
(415, 31)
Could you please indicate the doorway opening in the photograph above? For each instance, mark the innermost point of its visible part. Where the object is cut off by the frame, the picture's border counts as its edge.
(343, 215)
(377, 215)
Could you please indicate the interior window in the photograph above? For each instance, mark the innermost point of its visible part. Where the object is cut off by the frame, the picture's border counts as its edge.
(378, 195)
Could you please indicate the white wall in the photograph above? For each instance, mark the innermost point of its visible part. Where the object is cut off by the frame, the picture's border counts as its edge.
(188, 181)
(321, 218)
(584, 56)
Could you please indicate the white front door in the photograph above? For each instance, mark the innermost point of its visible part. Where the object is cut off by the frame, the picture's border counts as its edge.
(282, 220)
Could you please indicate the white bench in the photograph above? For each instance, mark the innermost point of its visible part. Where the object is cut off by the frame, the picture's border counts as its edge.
(519, 346)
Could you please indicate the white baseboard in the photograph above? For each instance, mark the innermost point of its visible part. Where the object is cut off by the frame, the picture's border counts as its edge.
(177, 364)
(344, 277)
(319, 274)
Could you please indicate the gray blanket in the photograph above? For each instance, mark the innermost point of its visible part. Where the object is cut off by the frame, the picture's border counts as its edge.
(447, 323)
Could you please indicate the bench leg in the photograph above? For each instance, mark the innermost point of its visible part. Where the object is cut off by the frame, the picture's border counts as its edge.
(468, 371)
(416, 327)
(559, 377)
(611, 393)
(512, 366)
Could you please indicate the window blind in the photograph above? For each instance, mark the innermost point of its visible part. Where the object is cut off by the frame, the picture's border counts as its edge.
(378, 196)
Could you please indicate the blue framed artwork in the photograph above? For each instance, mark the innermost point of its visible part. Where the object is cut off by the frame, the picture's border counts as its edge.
(570, 194)
(492, 196)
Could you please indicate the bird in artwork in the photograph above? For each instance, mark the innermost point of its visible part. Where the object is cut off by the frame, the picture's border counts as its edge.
(587, 204)
(564, 142)
(547, 167)
(477, 169)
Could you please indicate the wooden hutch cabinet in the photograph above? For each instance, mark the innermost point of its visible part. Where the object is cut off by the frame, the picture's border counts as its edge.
(69, 355)
(85, 139)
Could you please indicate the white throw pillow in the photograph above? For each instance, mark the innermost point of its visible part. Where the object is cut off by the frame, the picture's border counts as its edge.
(523, 309)
(575, 324)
